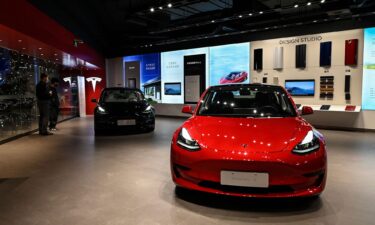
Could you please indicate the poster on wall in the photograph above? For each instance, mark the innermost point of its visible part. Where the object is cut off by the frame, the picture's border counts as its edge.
(230, 64)
(195, 77)
(145, 69)
(173, 72)
(368, 85)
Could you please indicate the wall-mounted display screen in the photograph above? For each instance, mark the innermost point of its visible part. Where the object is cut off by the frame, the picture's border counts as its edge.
(230, 64)
(172, 88)
(300, 87)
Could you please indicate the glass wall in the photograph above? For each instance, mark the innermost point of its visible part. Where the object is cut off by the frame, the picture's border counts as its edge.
(19, 75)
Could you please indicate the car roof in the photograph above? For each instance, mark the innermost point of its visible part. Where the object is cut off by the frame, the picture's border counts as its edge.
(121, 88)
(253, 85)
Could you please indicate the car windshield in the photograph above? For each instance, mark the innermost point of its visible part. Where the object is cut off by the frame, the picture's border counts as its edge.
(232, 76)
(121, 95)
(239, 101)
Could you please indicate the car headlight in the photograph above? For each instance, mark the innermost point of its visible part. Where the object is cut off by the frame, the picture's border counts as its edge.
(148, 109)
(309, 144)
(184, 140)
(101, 110)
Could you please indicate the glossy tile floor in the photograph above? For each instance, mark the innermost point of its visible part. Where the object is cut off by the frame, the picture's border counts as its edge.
(75, 178)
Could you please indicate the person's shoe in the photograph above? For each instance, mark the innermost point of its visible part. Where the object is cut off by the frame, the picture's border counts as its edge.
(53, 129)
(46, 133)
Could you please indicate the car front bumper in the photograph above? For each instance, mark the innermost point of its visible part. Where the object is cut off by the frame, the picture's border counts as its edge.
(290, 175)
(110, 122)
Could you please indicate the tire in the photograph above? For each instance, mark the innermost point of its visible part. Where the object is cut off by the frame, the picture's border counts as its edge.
(150, 129)
(98, 132)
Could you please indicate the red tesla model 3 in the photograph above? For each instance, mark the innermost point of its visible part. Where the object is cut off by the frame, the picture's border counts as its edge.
(249, 140)
(234, 77)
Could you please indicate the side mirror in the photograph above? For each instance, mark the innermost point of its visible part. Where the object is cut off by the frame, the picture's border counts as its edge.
(307, 110)
(94, 100)
(187, 109)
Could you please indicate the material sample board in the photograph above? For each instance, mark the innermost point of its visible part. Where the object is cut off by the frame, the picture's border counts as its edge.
(278, 60)
(326, 87)
(301, 56)
(351, 52)
(325, 54)
(258, 59)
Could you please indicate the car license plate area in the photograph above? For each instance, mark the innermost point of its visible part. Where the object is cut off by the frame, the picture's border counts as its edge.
(244, 179)
(126, 122)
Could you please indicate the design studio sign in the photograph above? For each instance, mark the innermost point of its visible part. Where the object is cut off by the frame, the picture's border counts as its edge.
(300, 40)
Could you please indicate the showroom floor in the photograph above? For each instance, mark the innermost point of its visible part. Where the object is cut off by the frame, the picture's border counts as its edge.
(75, 178)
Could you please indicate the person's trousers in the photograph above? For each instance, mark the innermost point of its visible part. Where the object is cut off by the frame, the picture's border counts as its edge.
(53, 115)
(43, 116)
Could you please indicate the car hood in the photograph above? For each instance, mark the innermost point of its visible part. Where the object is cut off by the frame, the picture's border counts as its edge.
(264, 135)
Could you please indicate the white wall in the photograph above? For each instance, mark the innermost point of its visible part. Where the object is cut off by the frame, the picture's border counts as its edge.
(115, 72)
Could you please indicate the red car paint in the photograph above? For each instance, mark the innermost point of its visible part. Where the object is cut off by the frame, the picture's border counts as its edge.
(234, 77)
(249, 145)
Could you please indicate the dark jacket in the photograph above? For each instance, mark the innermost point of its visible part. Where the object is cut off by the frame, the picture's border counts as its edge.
(55, 102)
(42, 92)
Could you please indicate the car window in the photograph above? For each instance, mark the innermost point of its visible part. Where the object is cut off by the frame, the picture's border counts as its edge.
(247, 102)
(119, 95)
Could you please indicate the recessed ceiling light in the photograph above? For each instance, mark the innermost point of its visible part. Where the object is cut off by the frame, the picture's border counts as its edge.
(250, 14)
(55, 54)
(322, 1)
(308, 4)
(160, 7)
(315, 21)
(57, 59)
(239, 16)
(169, 5)
(152, 10)
(42, 54)
(261, 12)
(296, 6)
(19, 40)
(23, 48)
(1, 40)
(212, 21)
(40, 48)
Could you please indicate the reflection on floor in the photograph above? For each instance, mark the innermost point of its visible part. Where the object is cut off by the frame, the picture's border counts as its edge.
(74, 178)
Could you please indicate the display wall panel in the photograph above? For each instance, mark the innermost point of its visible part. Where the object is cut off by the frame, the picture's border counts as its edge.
(301, 56)
(145, 71)
(195, 77)
(278, 58)
(368, 89)
(229, 64)
(325, 54)
(173, 71)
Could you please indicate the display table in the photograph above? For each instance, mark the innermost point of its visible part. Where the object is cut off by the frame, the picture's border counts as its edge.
(335, 108)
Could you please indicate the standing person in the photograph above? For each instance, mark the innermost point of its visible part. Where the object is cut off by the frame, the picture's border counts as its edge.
(54, 106)
(43, 95)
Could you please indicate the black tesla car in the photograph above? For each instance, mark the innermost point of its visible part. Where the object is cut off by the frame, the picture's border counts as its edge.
(123, 109)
